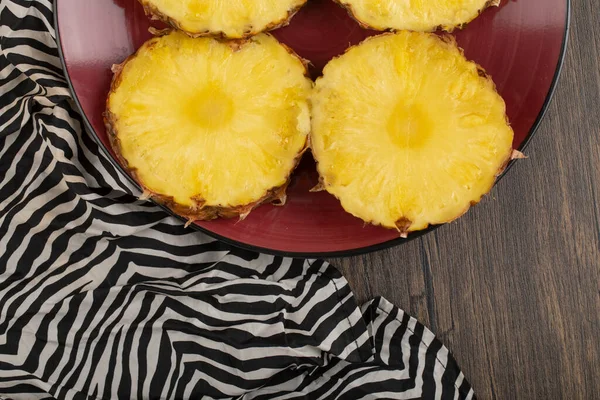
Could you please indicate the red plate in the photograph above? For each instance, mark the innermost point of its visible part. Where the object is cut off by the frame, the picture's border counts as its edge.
(521, 44)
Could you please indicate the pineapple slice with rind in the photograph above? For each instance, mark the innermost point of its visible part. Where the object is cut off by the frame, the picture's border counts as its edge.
(207, 127)
(406, 132)
(416, 15)
(228, 18)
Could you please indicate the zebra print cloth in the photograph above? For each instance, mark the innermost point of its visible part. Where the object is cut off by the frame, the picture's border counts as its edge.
(103, 296)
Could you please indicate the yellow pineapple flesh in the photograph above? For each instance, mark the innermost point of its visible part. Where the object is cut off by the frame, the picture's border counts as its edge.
(406, 132)
(208, 127)
(416, 15)
(229, 18)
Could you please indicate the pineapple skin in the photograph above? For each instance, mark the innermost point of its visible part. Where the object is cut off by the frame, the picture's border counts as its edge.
(446, 28)
(154, 14)
(199, 211)
(403, 225)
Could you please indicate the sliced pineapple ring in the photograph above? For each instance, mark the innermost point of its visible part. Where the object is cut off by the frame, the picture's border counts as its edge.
(407, 132)
(416, 15)
(228, 18)
(210, 128)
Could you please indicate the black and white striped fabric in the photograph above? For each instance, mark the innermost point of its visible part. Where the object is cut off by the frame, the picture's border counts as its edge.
(103, 296)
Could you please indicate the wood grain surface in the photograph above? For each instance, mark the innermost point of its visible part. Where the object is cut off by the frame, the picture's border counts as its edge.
(513, 288)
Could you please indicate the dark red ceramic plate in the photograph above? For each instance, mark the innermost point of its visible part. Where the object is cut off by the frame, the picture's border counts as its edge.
(521, 44)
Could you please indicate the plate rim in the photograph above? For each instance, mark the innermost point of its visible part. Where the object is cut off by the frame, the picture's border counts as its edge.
(310, 255)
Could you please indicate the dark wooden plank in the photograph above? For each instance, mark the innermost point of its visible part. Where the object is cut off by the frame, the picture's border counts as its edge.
(513, 288)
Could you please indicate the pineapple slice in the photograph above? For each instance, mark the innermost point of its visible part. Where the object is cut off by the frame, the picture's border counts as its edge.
(210, 128)
(416, 15)
(228, 18)
(406, 132)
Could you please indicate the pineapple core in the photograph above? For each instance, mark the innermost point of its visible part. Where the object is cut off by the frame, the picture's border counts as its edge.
(407, 132)
(416, 15)
(232, 18)
(206, 121)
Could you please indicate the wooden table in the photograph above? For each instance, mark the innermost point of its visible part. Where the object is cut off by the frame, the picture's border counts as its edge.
(513, 288)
